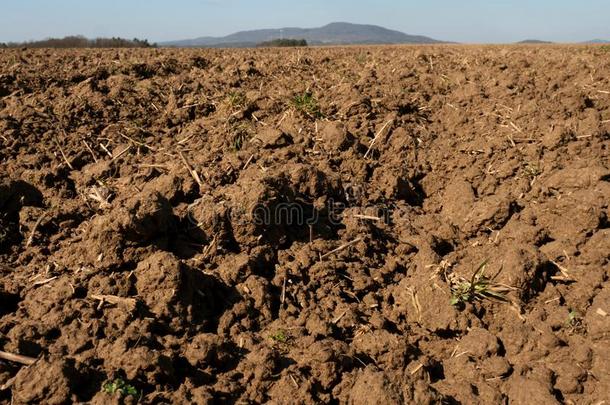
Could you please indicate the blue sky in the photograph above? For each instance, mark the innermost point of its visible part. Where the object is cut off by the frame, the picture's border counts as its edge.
(473, 21)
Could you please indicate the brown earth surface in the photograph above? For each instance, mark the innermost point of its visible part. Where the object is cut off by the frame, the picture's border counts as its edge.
(152, 232)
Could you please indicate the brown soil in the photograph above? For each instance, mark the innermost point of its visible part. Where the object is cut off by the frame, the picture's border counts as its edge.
(132, 247)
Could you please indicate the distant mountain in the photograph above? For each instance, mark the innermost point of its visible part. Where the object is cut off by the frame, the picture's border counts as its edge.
(338, 33)
(534, 41)
(597, 41)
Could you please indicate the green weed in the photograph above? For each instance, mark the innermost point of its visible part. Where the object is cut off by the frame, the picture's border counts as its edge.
(574, 319)
(119, 385)
(307, 104)
(237, 99)
(478, 288)
(531, 170)
(241, 135)
(238, 140)
(280, 336)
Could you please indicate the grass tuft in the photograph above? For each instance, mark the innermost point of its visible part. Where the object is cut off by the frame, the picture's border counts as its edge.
(307, 104)
(241, 136)
(478, 288)
(237, 99)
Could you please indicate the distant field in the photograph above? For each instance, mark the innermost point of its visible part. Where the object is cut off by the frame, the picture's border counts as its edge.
(416, 224)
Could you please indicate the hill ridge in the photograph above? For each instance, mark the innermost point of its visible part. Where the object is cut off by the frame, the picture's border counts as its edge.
(335, 33)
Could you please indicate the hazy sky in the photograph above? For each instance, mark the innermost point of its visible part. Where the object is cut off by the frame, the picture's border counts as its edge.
(454, 20)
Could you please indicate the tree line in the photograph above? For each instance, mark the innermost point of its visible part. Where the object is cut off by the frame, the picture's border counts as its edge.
(283, 43)
(78, 41)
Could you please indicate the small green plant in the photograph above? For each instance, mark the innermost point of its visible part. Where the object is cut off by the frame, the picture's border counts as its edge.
(280, 336)
(241, 135)
(237, 99)
(118, 385)
(574, 319)
(238, 140)
(531, 170)
(478, 288)
(605, 48)
(307, 104)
